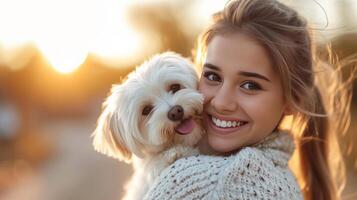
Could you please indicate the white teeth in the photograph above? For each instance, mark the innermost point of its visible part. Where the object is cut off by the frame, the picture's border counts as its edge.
(224, 124)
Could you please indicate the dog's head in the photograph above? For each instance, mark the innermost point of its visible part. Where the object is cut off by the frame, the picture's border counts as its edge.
(157, 106)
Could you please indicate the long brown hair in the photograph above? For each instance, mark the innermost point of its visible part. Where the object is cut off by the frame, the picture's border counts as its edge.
(314, 89)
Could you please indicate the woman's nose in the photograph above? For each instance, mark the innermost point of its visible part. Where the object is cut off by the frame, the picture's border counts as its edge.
(225, 100)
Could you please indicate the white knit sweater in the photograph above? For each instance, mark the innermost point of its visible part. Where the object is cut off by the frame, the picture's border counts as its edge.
(256, 172)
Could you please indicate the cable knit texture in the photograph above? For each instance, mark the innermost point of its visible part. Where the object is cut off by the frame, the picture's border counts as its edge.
(256, 172)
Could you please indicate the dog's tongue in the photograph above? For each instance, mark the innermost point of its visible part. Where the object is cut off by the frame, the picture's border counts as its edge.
(186, 127)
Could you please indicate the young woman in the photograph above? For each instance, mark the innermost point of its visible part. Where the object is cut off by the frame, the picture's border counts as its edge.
(260, 74)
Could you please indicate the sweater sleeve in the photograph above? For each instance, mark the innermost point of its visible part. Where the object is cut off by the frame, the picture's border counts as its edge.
(253, 175)
(189, 178)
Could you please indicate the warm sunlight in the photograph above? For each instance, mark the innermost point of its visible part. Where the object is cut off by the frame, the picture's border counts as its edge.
(65, 31)
(202, 11)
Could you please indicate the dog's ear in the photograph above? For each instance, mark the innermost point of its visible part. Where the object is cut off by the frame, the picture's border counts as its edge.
(108, 135)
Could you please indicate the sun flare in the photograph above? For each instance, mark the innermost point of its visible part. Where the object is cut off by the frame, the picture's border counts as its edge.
(66, 31)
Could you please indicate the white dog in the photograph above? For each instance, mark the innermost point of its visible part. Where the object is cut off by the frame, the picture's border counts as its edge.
(151, 119)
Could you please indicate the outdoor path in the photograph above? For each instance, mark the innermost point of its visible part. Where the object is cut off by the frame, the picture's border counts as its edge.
(75, 172)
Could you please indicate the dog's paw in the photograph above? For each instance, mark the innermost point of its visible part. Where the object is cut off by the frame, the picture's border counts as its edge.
(174, 153)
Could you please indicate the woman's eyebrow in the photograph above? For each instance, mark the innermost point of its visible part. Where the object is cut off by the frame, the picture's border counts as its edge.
(242, 73)
(254, 75)
(211, 66)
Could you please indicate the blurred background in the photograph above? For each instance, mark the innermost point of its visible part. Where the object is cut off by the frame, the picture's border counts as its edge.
(58, 60)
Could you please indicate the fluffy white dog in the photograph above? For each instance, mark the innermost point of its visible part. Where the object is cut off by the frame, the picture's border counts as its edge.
(151, 119)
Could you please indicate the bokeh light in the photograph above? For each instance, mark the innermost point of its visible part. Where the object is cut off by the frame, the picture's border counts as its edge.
(66, 31)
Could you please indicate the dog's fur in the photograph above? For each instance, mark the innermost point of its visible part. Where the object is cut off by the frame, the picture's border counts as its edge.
(150, 141)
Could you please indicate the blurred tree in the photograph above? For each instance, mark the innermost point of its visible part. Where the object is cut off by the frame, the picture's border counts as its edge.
(161, 20)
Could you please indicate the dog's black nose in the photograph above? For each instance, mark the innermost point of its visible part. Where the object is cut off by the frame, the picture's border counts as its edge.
(175, 113)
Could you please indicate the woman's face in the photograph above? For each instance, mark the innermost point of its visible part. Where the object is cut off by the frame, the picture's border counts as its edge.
(243, 95)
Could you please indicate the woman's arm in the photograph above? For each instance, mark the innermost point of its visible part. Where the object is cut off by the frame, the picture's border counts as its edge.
(194, 177)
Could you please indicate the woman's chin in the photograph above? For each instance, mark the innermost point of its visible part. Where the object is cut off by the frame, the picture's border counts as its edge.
(222, 145)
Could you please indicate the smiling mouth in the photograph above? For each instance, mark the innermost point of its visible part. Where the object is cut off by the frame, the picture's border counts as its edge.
(220, 123)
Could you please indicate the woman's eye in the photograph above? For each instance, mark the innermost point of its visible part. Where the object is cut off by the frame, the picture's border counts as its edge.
(147, 110)
(174, 88)
(211, 76)
(251, 86)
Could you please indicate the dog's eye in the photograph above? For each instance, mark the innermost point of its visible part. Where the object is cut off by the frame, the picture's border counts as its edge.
(147, 110)
(175, 87)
